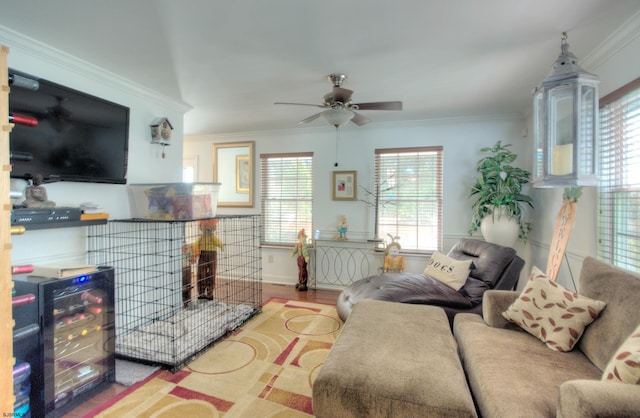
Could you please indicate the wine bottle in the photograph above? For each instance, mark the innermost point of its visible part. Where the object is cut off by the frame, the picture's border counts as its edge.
(20, 156)
(17, 229)
(24, 82)
(22, 120)
(25, 268)
(23, 299)
(70, 310)
(86, 296)
(25, 332)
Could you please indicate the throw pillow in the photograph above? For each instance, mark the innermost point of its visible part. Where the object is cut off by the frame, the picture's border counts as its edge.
(552, 313)
(625, 365)
(448, 270)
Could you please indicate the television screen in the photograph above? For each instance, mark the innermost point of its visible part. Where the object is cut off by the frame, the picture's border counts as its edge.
(78, 137)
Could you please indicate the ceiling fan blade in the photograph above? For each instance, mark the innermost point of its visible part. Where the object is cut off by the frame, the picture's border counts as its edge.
(310, 118)
(299, 104)
(342, 95)
(379, 106)
(359, 119)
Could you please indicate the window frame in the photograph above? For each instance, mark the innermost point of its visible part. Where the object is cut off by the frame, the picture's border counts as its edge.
(383, 196)
(618, 223)
(284, 221)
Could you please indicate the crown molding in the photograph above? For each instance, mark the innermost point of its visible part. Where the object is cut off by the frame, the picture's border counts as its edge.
(418, 123)
(614, 43)
(61, 59)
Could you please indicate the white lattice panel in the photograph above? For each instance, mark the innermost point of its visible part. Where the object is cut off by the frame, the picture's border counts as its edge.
(340, 263)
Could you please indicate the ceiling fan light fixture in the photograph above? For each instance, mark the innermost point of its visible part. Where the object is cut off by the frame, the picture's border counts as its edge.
(339, 107)
(338, 117)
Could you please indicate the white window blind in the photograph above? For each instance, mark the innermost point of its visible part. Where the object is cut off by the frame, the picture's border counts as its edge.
(287, 196)
(409, 189)
(619, 188)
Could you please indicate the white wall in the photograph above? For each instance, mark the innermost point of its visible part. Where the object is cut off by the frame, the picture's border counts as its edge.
(461, 138)
(146, 164)
(616, 62)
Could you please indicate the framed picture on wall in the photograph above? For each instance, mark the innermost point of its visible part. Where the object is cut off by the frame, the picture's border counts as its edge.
(345, 185)
(243, 173)
(233, 168)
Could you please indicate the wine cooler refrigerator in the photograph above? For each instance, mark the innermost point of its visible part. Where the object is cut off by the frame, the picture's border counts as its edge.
(71, 351)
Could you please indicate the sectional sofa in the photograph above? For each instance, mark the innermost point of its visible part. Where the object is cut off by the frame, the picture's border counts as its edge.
(395, 359)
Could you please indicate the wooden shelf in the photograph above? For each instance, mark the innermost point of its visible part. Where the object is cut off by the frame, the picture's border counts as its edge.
(62, 224)
(7, 360)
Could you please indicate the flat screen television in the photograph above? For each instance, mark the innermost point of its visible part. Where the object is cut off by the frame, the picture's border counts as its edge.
(79, 137)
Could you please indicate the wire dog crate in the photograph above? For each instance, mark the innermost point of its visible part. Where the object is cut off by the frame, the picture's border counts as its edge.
(180, 285)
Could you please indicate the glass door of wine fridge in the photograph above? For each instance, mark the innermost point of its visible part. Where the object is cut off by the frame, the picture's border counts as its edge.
(76, 354)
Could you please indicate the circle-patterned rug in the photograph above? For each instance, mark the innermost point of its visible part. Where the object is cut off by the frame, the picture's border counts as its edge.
(266, 369)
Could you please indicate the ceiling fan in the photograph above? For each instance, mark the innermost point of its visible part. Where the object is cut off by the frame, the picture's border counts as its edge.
(338, 106)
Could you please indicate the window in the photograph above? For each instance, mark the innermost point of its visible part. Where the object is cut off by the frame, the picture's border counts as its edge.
(287, 196)
(619, 189)
(409, 190)
(190, 169)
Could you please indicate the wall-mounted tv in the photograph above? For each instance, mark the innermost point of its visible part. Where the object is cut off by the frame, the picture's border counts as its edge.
(78, 137)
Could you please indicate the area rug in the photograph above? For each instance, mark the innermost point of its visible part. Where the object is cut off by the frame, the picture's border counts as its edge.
(264, 369)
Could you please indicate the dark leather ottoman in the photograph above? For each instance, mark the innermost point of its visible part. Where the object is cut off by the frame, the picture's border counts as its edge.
(393, 360)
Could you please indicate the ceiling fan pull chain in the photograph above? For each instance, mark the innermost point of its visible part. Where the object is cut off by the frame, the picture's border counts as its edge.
(337, 137)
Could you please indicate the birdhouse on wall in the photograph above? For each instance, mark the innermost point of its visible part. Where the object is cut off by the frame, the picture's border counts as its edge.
(161, 132)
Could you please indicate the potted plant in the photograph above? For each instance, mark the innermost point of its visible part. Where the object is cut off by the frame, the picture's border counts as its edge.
(498, 192)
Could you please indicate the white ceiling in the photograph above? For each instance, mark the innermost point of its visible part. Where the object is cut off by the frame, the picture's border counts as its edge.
(232, 59)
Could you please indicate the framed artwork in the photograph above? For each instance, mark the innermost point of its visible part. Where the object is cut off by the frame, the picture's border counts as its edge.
(345, 185)
(233, 169)
(243, 173)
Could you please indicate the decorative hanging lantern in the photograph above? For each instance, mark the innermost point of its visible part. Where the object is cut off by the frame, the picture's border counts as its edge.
(566, 125)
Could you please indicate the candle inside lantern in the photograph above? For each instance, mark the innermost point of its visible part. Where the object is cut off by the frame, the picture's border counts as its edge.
(562, 160)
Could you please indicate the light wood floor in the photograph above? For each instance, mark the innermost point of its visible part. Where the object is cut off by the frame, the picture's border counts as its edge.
(268, 291)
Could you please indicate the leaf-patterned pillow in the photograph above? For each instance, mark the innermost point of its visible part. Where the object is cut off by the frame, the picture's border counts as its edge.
(624, 366)
(552, 313)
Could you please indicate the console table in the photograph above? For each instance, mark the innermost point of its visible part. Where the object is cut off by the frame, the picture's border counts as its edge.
(340, 263)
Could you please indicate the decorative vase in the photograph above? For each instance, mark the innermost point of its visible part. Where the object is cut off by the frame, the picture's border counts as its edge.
(500, 228)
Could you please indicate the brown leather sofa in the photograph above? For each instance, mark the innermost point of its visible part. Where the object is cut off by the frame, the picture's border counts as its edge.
(494, 267)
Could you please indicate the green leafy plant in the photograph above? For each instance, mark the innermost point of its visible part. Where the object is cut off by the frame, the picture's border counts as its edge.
(500, 185)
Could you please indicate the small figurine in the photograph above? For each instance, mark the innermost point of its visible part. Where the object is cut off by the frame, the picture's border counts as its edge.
(300, 250)
(393, 261)
(342, 228)
(205, 249)
(36, 195)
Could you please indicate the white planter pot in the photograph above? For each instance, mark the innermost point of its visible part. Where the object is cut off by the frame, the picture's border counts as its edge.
(500, 228)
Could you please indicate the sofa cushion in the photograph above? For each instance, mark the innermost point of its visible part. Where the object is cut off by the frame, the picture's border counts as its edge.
(620, 290)
(624, 366)
(489, 260)
(588, 398)
(393, 360)
(473, 290)
(552, 313)
(399, 287)
(513, 374)
(448, 270)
